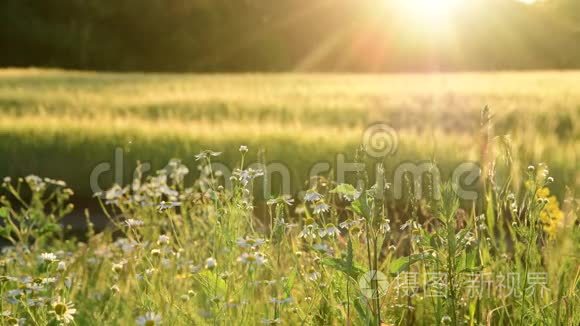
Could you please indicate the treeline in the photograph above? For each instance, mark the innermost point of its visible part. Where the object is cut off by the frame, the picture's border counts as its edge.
(284, 35)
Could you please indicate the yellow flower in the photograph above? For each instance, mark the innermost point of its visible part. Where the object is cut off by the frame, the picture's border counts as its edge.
(551, 216)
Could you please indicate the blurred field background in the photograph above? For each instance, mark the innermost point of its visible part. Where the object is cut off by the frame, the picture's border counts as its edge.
(61, 124)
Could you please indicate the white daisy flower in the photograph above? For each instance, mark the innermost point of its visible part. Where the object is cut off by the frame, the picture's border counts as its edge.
(133, 222)
(250, 242)
(61, 267)
(48, 257)
(149, 319)
(321, 207)
(163, 205)
(63, 311)
(163, 240)
(329, 230)
(309, 232)
(312, 196)
(313, 275)
(210, 263)
(252, 259)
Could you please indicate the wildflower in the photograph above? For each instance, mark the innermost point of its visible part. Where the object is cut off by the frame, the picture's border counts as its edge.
(210, 263)
(313, 275)
(385, 227)
(48, 257)
(550, 180)
(155, 252)
(7, 179)
(163, 206)
(250, 243)
(243, 149)
(309, 231)
(35, 183)
(531, 168)
(206, 154)
(48, 280)
(551, 215)
(252, 259)
(445, 319)
(118, 267)
(163, 240)
(114, 193)
(284, 199)
(10, 320)
(246, 176)
(63, 311)
(321, 207)
(149, 319)
(312, 196)
(115, 288)
(406, 225)
(346, 191)
(61, 267)
(329, 230)
(133, 222)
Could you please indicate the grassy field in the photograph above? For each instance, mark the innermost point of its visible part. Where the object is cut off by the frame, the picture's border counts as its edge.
(181, 249)
(54, 120)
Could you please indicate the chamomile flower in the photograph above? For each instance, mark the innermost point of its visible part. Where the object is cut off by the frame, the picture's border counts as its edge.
(163, 240)
(320, 207)
(210, 263)
(63, 311)
(206, 154)
(133, 222)
(312, 196)
(256, 259)
(118, 267)
(329, 230)
(163, 205)
(250, 242)
(48, 257)
(61, 267)
(309, 231)
(150, 318)
(313, 275)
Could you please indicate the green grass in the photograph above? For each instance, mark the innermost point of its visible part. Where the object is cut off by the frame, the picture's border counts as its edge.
(53, 120)
(517, 234)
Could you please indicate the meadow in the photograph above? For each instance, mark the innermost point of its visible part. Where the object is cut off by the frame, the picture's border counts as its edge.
(182, 248)
(54, 119)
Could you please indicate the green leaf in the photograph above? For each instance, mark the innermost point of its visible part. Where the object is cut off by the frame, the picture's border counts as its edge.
(4, 212)
(398, 265)
(361, 207)
(289, 284)
(345, 190)
(342, 265)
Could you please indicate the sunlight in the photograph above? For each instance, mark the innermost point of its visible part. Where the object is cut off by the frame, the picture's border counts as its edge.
(425, 12)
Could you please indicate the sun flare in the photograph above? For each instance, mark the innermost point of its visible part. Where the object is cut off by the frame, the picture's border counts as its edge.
(425, 11)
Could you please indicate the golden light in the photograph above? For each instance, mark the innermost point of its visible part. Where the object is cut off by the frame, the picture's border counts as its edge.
(425, 12)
